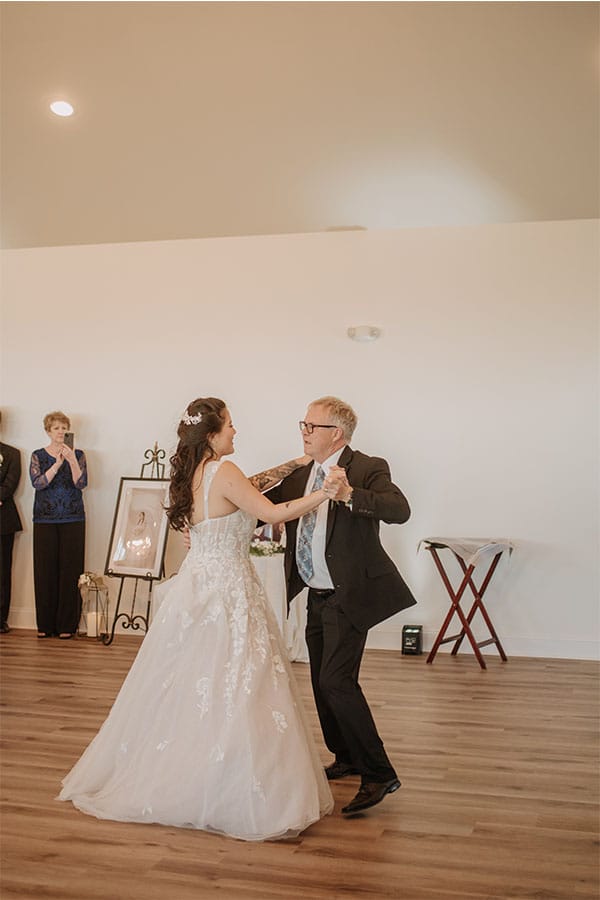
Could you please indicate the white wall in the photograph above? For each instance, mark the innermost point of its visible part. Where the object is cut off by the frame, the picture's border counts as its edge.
(481, 393)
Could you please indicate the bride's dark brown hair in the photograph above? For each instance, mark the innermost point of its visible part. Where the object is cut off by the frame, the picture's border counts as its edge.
(206, 415)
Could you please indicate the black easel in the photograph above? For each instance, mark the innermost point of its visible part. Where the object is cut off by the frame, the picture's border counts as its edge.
(131, 619)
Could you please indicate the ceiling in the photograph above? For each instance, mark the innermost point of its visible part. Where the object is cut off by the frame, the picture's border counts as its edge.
(213, 119)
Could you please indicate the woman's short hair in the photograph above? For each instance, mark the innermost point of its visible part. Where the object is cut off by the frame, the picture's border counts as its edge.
(340, 413)
(56, 416)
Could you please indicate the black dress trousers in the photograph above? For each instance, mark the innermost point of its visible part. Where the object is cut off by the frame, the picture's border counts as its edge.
(335, 649)
(58, 561)
(7, 543)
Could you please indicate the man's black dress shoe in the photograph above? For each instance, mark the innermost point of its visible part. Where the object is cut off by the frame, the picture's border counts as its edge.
(370, 794)
(4, 628)
(339, 770)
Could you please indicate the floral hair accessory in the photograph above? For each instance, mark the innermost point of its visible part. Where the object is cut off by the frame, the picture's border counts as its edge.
(191, 420)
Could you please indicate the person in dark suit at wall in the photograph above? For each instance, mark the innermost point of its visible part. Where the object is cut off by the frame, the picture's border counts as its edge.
(10, 524)
(353, 585)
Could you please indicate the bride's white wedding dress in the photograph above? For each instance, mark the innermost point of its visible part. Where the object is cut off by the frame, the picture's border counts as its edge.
(208, 729)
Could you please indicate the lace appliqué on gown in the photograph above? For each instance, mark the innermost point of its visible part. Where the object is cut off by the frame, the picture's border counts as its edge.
(208, 730)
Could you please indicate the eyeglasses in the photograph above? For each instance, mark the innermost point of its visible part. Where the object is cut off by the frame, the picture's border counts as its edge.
(309, 427)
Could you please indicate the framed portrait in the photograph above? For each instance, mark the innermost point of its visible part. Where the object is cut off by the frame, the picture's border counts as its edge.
(140, 527)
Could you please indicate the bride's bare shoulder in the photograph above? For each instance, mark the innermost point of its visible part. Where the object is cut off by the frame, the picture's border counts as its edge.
(229, 470)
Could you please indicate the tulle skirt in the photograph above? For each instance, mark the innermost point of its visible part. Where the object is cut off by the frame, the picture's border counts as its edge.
(208, 730)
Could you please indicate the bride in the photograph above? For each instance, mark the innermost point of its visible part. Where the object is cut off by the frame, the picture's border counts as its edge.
(208, 730)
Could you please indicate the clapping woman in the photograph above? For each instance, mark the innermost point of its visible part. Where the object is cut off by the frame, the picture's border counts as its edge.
(58, 475)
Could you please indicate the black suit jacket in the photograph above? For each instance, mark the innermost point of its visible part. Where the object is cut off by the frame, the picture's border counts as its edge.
(10, 473)
(368, 586)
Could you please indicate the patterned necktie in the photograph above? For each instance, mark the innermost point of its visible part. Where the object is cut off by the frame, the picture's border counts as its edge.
(304, 559)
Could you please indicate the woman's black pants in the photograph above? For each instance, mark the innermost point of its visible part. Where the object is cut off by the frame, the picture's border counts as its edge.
(58, 561)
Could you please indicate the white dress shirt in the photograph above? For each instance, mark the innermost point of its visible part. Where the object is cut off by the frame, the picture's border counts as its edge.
(321, 579)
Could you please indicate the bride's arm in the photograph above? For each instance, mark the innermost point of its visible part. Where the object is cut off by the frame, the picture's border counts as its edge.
(262, 481)
(235, 487)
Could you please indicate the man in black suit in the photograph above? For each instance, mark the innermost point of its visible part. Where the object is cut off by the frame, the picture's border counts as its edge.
(10, 523)
(353, 585)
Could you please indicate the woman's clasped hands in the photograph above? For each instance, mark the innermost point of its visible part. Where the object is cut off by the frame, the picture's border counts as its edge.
(67, 453)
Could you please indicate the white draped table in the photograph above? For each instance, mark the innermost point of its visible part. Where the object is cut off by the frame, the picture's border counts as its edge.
(270, 571)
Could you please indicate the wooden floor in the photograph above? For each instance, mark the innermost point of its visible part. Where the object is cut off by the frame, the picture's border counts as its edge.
(499, 797)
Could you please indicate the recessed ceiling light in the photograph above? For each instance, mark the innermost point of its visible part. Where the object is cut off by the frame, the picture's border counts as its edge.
(61, 108)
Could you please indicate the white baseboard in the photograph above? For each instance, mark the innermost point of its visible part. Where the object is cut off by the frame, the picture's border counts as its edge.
(24, 618)
(542, 648)
(391, 639)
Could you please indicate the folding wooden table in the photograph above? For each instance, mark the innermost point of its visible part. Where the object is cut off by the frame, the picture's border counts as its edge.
(468, 552)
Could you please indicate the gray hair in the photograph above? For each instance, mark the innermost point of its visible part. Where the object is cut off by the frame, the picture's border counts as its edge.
(340, 413)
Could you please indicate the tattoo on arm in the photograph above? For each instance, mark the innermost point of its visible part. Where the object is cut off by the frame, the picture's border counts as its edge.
(270, 477)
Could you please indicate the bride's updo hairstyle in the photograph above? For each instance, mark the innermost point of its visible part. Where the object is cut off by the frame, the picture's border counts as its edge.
(202, 419)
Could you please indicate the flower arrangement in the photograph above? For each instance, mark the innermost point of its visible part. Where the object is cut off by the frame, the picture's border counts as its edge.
(90, 579)
(266, 548)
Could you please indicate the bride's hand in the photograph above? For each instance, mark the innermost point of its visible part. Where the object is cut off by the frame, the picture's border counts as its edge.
(336, 483)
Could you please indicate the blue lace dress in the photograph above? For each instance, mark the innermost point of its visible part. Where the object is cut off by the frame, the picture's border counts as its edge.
(60, 501)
